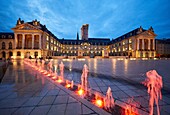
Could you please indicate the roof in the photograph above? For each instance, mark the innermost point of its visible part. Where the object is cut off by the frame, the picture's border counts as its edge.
(43, 28)
(164, 41)
(6, 35)
(92, 41)
(127, 35)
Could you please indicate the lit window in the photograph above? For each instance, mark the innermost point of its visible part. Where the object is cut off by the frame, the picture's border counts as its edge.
(130, 40)
(18, 53)
(47, 46)
(47, 38)
(51, 40)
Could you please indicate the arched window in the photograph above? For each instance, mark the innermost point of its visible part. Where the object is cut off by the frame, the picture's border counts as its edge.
(3, 45)
(10, 54)
(35, 54)
(10, 45)
(18, 53)
(4, 54)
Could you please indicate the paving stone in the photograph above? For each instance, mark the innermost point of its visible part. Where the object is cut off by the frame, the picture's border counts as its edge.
(86, 110)
(70, 109)
(120, 94)
(7, 111)
(56, 109)
(47, 100)
(33, 101)
(40, 110)
(71, 100)
(53, 92)
(61, 99)
(62, 93)
(23, 111)
(7, 103)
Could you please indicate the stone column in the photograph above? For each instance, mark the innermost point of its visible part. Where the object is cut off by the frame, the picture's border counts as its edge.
(32, 41)
(137, 44)
(149, 44)
(15, 41)
(23, 41)
(143, 44)
(153, 44)
(39, 41)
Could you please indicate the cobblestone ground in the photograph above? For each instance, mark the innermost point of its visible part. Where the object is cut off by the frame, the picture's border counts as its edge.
(23, 91)
(123, 87)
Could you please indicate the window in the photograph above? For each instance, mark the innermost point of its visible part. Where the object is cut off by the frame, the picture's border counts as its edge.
(9, 36)
(18, 53)
(47, 38)
(10, 45)
(3, 45)
(10, 54)
(130, 40)
(47, 46)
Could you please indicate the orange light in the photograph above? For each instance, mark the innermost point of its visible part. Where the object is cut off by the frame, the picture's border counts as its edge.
(68, 85)
(80, 92)
(54, 77)
(49, 74)
(129, 111)
(41, 71)
(99, 103)
(59, 80)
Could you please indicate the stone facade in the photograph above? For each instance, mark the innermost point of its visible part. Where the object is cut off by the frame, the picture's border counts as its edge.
(162, 47)
(138, 43)
(32, 39)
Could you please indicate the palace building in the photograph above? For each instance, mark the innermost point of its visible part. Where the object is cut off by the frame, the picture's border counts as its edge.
(32, 39)
(138, 43)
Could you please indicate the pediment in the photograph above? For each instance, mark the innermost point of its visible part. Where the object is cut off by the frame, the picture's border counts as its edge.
(148, 34)
(25, 27)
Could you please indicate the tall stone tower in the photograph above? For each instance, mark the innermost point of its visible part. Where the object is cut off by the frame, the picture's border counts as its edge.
(84, 31)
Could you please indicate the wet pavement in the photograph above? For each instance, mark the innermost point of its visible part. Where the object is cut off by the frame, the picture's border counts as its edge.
(24, 91)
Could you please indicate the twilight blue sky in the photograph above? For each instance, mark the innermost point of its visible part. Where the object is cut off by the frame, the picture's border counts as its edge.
(107, 18)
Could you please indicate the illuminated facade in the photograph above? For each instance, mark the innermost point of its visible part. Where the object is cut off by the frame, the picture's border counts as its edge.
(139, 43)
(32, 39)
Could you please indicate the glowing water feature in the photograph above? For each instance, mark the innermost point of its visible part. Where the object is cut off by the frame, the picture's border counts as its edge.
(55, 70)
(72, 84)
(108, 100)
(42, 64)
(154, 84)
(61, 71)
(84, 78)
(50, 67)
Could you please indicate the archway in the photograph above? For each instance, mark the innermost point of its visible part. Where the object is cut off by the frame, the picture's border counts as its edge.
(35, 54)
(10, 54)
(3, 54)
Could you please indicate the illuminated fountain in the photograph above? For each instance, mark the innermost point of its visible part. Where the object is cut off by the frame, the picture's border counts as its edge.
(61, 65)
(108, 100)
(154, 84)
(84, 80)
(105, 102)
(55, 70)
(130, 108)
(50, 67)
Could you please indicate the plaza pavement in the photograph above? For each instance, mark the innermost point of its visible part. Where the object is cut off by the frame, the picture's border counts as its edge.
(23, 91)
